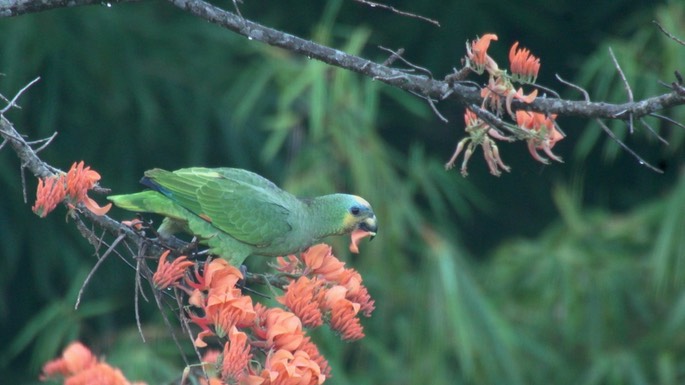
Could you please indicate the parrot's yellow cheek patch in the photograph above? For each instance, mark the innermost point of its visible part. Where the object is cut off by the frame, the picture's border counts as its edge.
(349, 221)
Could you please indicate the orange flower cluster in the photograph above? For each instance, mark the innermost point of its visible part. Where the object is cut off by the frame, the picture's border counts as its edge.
(72, 187)
(260, 345)
(78, 366)
(327, 290)
(498, 97)
(543, 134)
(265, 346)
(524, 68)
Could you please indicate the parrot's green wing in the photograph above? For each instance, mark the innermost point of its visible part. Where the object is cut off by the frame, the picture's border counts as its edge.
(242, 204)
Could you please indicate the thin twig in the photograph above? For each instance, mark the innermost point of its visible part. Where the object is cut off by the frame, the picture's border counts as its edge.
(650, 129)
(158, 299)
(578, 88)
(397, 11)
(394, 56)
(666, 118)
(137, 291)
(457, 76)
(613, 136)
(235, 5)
(548, 90)
(14, 99)
(668, 33)
(626, 85)
(433, 107)
(3, 98)
(23, 183)
(95, 267)
(46, 140)
(398, 55)
(186, 327)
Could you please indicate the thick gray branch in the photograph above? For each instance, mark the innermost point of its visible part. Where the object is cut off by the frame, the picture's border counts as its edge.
(9, 8)
(417, 84)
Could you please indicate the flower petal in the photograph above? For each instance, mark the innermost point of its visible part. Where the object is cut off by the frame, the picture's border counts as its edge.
(356, 236)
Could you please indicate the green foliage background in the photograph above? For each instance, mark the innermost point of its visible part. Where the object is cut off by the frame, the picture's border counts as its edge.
(569, 274)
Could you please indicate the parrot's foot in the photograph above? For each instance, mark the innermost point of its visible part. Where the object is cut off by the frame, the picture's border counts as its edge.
(189, 248)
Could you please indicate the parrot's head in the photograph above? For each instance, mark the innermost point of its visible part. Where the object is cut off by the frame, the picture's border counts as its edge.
(358, 215)
(359, 220)
(338, 214)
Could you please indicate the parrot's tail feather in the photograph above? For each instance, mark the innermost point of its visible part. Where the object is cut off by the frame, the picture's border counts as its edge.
(132, 202)
(151, 184)
(149, 201)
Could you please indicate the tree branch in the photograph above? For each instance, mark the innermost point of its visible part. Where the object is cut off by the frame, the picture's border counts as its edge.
(11, 8)
(421, 85)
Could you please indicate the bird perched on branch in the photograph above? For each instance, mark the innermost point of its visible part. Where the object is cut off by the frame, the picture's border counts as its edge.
(238, 213)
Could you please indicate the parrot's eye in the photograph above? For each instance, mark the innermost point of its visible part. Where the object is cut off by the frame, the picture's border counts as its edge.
(354, 210)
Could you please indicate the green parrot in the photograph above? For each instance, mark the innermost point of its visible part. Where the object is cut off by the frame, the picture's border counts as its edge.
(238, 213)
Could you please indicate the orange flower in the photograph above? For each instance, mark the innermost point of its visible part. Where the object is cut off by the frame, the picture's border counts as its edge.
(284, 330)
(542, 133)
(321, 261)
(356, 292)
(290, 264)
(80, 179)
(229, 312)
(524, 66)
(279, 329)
(226, 276)
(344, 314)
(75, 358)
(168, 274)
(477, 55)
(499, 88)
(224, 305)
(200, 339)
(49, 194)
(101, 374)
(285, 368)
(313, 351)
(224, 313)
(303, 297)
(79, 366)
(236, 357)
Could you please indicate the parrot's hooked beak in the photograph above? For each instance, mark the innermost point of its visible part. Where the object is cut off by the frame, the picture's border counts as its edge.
(369, 224)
